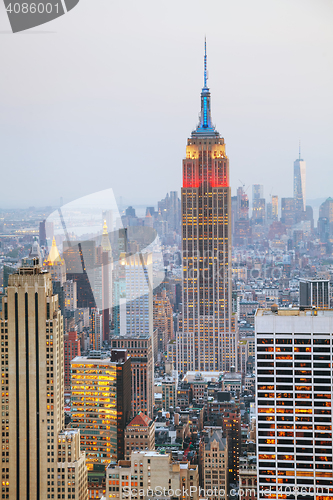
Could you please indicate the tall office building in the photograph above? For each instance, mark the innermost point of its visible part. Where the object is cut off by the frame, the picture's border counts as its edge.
(275, 207)
(299, 184)
(294, 403)
(163, 320)
(96, 329)
(140, 350)
(101, 405)
(32, 373)
(139, 294)
(242, 205)
(207, 340)
(70, 295)
(257, 192)
(133, 295)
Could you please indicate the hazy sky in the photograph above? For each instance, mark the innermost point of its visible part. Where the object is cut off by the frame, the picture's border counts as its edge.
(107, 95)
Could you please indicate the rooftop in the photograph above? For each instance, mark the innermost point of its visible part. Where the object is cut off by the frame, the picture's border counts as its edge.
(140, 420)
(295, 311)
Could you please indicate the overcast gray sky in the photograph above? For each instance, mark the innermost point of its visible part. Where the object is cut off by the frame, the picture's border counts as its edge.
(107, 95)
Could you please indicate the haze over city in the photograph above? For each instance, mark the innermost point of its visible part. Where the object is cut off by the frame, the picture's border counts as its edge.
(104, 96)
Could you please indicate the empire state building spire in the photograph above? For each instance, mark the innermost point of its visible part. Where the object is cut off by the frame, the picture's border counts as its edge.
(205, 126)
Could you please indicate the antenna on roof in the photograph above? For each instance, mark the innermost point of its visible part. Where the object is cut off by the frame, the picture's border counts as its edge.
(205, 66)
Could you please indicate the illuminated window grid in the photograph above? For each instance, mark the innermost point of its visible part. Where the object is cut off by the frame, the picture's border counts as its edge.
(294, 397)
(93, 408)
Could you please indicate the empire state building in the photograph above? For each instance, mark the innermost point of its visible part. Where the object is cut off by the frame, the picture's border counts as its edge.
(207, 337)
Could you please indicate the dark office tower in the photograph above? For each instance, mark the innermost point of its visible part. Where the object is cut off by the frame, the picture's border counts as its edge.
(80, 267)
(45, 232)
(140, 350)
(124, 391)
(207, 340)
(314, 293)
(122, 241)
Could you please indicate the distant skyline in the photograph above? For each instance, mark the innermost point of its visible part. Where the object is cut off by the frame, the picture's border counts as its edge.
(107, 96)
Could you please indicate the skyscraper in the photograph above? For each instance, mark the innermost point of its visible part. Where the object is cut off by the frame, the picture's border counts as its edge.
(299, 184)
(294, 399)
(275, 207)
(101, 404)
(140, 350)
(103, 280)
(207, 340)
(32, 373)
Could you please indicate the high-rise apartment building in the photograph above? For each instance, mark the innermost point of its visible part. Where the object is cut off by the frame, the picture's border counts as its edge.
(32, 373)
(294, 403)
(288, 211)
(101, 405)
(207, 339)
(299, 184)
(257, 192)
(140, 350)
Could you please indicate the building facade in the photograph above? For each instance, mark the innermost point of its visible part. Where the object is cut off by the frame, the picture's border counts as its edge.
(215, 467)
(100, 406)
(147, 474)
(72, 349)
(207, 339)
(139, 434)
